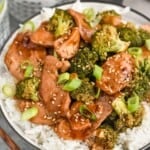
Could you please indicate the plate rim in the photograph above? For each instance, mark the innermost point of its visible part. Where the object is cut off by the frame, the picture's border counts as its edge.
(38, 13)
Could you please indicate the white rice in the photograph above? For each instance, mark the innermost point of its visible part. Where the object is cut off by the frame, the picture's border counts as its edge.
(43, 136)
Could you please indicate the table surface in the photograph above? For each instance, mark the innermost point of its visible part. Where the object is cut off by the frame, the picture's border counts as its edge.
(141, 5)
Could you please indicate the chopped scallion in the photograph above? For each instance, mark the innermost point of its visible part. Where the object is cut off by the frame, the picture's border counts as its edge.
(9, 90)
(28, 26)
(2, 5)
(147, 44)
(133, 103)
(135, 51)
(72, 84)
(97, 72)
(29, 71)
(89, 13)
(84, 110)
(29, 113)
(98, 93)
(119, 106)
(63, 78)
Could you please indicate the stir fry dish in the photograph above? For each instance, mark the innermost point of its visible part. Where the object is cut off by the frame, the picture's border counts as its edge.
(84, 74)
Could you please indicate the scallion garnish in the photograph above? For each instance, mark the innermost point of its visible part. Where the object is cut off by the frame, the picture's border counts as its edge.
(86, 112)
(98, 93)
(63, 78)
(135, 51)
(28, 67)
(29, 71)
(97, 72)
(9, 90)
(2, 5)
(28, 26)
(147, 44)
(29, 113)
(133, 103)
(72, 84)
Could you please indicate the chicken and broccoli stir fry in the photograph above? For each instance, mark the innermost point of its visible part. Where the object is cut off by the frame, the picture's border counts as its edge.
(87, 75)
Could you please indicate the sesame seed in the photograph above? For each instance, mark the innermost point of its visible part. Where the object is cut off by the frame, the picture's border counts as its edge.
(54, 119)
(53, 102)
(20, 52)
(54, 94)
(45, 116)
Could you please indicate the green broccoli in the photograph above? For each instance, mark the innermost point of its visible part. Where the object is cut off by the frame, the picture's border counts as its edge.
(131, 35)
(144, 35)
(129, 120)
(85, 93)
(109, 13)
(61, 22)
(126, 119)
(28, 89)
(141, 80)
(107, 40)
(106, 137)
(83, 62)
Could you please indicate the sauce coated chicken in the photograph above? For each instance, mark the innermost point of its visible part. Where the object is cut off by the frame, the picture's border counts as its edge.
(78, 72)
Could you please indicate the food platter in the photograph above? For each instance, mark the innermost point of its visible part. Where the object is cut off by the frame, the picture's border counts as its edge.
(12, 116)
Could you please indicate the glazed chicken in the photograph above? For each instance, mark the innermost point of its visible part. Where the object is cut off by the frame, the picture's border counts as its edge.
(70, 84)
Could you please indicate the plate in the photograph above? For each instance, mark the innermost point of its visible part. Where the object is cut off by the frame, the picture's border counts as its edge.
(13, 117)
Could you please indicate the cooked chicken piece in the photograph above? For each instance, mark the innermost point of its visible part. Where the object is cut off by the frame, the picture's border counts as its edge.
(117, 73)
(67, 45)
(56, 100)
(77, 121)
(112, 20)
(42, 117)
(102, 109)
(78, 126)
(86, 31)
(64, 130)
(65, 65)
(21, 50)
(42, 36)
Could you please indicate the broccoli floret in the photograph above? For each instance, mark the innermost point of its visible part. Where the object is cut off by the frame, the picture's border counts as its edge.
(83, 62)
(144, 35)
(106, 137)
(141, 80)
(129, 120)
(126, 119)
(107, 40)
(130, 35)
(28, 89)
(109, 13)
(85, 93)
(61, 22)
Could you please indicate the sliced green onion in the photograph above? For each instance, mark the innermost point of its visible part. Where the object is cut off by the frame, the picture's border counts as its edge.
(84, 111)
(147, 44)
(72, 84)
(135, 51)
(2, 5)
(97, 72)
(119, 106)
(29, 71)
(28, 26)
(63, 78)
(9, 90)
(89, 13)
(133, 103)
(98, 93)
(29, 113)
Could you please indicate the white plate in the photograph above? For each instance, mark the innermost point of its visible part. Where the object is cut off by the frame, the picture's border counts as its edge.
(29, 136)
